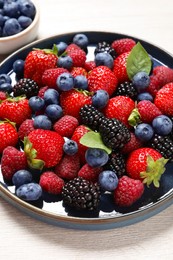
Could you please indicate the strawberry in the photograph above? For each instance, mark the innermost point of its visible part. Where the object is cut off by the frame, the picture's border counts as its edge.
(102, 77)
(66, 125)
(119, 68)
(44, 145)
(25, 128)
(50, 76)
(89, 65)
(3, 96)
(8, 135)
(128, 191)
(51, 183)
(37, 61)
(89, 173)
(146, 164)
(71, 101)
(72, 47)
(16, 110)
(12, 161)
(123, 45)
(132, 145)
(76, 71)
(164, 99)
(68, 167)
(77, 54)
(119, 107)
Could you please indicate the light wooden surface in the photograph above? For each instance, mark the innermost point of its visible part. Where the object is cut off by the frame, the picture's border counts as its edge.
(22, 237)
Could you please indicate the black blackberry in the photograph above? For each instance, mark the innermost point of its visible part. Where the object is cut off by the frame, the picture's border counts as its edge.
(126, 89)
(163, 144)
(91, 117)
(26, 87)
(116, 163)
(114, 133)
(81, 194)
(105, 47)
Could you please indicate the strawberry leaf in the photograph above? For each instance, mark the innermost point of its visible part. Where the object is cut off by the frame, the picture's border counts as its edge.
(138, 60)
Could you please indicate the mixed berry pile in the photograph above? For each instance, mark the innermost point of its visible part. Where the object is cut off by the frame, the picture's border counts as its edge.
(79, 129)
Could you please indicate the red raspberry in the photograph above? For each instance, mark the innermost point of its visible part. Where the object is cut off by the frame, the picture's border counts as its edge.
(77, 54)
(128, 191)
(50, 76)
(42, 91)
(89, 65)
(25, 128)
(123, 45)
(66, 125)
(72, 47)
(3, 95)
(51, 183)
(89, 173)
(132, 145)
(148, 111)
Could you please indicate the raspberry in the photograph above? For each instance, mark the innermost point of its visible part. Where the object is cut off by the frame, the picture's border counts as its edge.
(89, 65)
(42, 91)
(66, 125)
(51, 183)
(78, 56)
(132, 145)
(25, 128)
(89, 173)
(3, 95)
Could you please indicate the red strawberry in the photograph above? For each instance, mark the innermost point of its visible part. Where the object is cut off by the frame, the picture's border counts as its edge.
(36, 62)
(119, 68)
(12, 161)
(77, 54)
(123, 45)
(50, 76)
(25, 128)
(71, 101)
(8, 135)
(132, 145)
(164, 99)
(119, 107)
(89, 173)
(51, 183)
(128, 191)
(89, 65)
(47, 145)
(68, 167)
(16, 110)
(66, 125)
(42, 91)
(76, 71)
(102, 77)
(3, 96)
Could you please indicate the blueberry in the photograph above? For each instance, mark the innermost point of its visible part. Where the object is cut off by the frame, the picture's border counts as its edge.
(29, 191)
(81, 82)
(5, 78)
(11, 27)
(24, 21)
(108, 180)
(81, 40)
(70, 147)
(53, 112)
(61, 47)
(144, 96)
(65, 81)
(141, 81)
(162, 125)
(1, 3)
(65, 62)
(18, 67)
(36, 103)
(27, 8)
(6, 87)
(104, 59)
(42, 122)
(100, 99)
(144, 132)
(11, 9)
(96, 157)
(1, 11)
(21, 177)
(2, 20)
(51, 96)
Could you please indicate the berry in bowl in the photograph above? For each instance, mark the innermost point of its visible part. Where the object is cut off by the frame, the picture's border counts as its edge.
(87, 137)
(19, 21)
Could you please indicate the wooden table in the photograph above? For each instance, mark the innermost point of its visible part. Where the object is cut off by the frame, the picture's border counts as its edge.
(23, 237)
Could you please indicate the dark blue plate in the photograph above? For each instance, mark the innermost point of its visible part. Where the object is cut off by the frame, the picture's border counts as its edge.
(50, 209)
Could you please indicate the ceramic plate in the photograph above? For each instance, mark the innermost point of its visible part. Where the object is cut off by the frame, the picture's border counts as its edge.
(51, 210)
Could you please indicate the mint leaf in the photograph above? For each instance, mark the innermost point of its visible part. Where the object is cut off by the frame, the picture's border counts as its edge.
(138, 60)
(93, 140)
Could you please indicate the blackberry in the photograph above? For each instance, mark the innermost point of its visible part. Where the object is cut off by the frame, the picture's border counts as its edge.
(114, 133)
(26, 87)
(91, 117)
(116, 163)
(163, 144)
(81, 194)
(126, 89)
(105, 47)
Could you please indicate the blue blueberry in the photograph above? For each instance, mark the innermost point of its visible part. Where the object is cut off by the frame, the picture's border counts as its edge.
(144, 132)
(61, 47)
(70, 147)
(81, 40)
(24, 21)
(51, 96)
(29, 191)
(5, 78)
(81, 82)
(36, 103)
(18, 67)
(11, 9)
(96, 157)
(100, 99)
(65, 62)
(141, 81)
(144, 96)
(27, 8)
(162, 125)
(21, 177)
(108, 180)
(104, 59)
(6, 87)
(2, 20)
(65, 81)
(1, 3)
(42, 122)
(11, 27)
(53, 112)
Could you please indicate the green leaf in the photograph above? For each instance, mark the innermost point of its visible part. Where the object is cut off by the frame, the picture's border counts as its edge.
(93, 140)
(138, 60)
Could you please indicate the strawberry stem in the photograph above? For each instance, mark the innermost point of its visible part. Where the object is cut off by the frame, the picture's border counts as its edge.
(134, 118)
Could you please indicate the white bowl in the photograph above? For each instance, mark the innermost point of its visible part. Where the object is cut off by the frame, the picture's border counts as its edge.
(11, 43)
